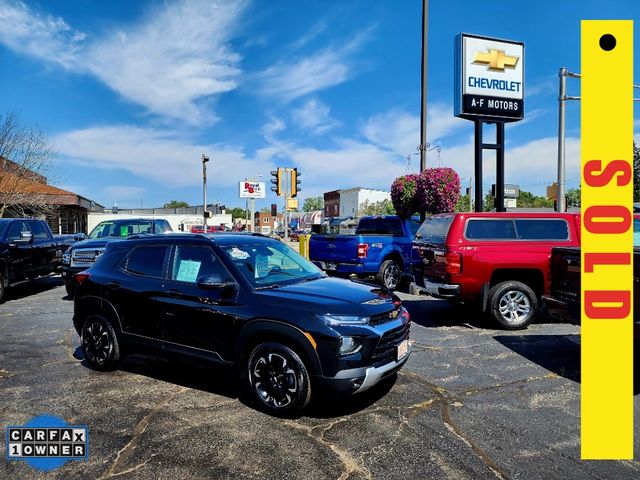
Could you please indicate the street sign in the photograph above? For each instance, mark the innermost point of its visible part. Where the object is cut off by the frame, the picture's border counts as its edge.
(510, 191)
(489, 78)
(292, 204)
(252, 190)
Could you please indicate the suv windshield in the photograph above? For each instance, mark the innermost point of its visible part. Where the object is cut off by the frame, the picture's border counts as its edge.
(268, 265)
(121, 228)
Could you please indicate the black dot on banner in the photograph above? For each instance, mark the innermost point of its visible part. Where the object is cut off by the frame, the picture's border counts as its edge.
(607, 42)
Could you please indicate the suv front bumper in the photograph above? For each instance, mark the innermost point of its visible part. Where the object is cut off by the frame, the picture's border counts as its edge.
(358, 380)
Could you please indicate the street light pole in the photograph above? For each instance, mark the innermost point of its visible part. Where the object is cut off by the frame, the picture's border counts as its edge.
(205, 159)
(423, 92)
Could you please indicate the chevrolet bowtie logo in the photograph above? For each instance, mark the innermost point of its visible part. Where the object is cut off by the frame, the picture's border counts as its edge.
(495, 60)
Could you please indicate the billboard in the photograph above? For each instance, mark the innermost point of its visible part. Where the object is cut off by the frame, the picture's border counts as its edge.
(489, 78)
(252, 190)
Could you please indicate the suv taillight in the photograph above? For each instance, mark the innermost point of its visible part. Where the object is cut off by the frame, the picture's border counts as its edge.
(81, 277)
(363, 248)
(453, 263)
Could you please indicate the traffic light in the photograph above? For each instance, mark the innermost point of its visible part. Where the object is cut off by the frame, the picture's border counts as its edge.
(274, 210)
(278, 181)
(295, 182)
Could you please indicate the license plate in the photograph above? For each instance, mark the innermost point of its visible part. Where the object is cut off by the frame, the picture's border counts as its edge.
(402, 350)
(331, 266)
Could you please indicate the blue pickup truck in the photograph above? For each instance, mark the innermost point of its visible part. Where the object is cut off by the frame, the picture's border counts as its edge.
(381, 246)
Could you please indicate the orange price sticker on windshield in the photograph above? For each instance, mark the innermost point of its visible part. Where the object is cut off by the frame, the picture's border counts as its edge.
(607, 240)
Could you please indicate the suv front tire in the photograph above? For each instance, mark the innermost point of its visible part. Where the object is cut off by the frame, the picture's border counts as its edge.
(278, 379)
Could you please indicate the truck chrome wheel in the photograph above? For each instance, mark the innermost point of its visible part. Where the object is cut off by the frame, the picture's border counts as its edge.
(514, 306)
(389, 274)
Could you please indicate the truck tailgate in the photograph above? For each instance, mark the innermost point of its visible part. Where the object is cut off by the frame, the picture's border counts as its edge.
(334, 248)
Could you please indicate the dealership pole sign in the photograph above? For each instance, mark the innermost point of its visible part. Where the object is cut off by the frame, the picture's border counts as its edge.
(489, 78)
(252, 190)
(488, 88)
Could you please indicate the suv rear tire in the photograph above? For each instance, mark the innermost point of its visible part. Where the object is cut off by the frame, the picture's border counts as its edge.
(100, 343)
(278, 379)
(70, 288)
(389, 275)
(513, 304)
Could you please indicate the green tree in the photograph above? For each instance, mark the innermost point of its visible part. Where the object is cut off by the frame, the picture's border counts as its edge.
(572, 197)
(529, 200)
(489, 203)
(384, 207)
(176, 204)
(265, 210)
(237, 212)
(313, 203)
(464, 204)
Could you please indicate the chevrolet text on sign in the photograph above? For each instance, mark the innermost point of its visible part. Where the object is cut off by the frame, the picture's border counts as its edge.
(489, 78)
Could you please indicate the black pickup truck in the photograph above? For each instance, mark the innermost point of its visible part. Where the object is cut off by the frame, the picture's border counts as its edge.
(28, 250)
(563, 300)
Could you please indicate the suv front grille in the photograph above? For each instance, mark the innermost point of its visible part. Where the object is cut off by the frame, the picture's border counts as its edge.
(85, 257)
(384, 317)
(385, 352)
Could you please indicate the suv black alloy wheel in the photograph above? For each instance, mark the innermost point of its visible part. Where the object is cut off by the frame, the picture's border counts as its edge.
(99, 343)
(278, 378)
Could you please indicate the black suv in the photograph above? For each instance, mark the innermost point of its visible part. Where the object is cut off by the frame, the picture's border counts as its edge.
(243, 300)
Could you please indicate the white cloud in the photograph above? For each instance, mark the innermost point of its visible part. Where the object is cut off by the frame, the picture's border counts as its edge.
(314, 116)
(39, 35)
(174, 58)
(171, 62)
(162, 156)
(293, 78)
(532, 165)
(399, 131)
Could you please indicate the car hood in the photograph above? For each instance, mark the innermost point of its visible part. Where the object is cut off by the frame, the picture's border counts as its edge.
(94, 243)
(335, 295)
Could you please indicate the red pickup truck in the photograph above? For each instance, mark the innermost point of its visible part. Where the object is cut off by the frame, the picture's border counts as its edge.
(499, 260)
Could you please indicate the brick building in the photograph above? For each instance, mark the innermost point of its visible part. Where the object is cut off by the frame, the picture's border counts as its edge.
(265, 223)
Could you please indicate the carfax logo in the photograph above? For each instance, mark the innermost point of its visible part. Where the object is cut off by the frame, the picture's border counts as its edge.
(47, 442)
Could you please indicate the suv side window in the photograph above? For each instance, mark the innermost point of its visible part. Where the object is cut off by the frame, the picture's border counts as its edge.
(162, 226)
(478, 229)
(191, 262)
(542, 229)
(39, 232)
(15, 231)
(147, 260)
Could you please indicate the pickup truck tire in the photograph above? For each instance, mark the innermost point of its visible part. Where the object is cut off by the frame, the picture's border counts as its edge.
(100, 343)
(278, 379)
(1, 287)
(512, 304)
(389, 274)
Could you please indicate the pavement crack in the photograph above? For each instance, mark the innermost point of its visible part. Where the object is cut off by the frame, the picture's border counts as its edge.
(349, 464)
(475, 391)
(125, 452)
(444, 400)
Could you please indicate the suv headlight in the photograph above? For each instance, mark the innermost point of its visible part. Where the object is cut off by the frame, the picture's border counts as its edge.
(349, 345)
(335, 320)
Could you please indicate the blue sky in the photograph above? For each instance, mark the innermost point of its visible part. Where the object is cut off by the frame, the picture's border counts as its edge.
(131, 93)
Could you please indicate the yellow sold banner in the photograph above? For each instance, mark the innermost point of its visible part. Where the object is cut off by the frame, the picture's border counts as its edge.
(607, 240)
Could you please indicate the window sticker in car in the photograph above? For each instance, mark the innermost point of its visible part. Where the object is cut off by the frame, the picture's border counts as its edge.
(239, 254)
(262, 266)
(188, 271)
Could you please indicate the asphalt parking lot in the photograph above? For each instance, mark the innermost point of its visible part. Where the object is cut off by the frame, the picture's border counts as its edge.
(472, 402)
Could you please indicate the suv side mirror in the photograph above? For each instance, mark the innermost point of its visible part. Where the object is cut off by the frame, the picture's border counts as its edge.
(78, 237)
(215, 282)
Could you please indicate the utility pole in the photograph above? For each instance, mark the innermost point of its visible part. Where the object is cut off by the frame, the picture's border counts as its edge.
(423, 92)
(471, 194)
(205, 159)
(287, 185)
(561, 123)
